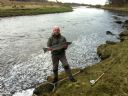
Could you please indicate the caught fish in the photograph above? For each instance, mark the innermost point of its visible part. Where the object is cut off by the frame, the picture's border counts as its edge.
(57, 47)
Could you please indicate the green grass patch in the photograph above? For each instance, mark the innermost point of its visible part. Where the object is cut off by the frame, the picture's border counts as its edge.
(125, 8)
(33, 11)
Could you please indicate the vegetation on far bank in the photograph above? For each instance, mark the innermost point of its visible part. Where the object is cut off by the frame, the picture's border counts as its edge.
(116, 8)
(32, 8)
(46, 10)
(119, 3)
(111, 7)
(115, 5)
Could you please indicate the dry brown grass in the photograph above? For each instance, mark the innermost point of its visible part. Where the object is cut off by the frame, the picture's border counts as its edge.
(27, 5)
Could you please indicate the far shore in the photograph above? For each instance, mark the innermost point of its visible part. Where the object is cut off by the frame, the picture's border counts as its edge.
(21, 9)
(110, 7)
(124, 9)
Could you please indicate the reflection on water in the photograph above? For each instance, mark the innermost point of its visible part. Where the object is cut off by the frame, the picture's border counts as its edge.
(22, 39)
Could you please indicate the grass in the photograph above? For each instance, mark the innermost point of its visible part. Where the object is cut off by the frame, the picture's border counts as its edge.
(35, 11)
(111, 7)
(116, 8)
(31, 8)
(113, 83)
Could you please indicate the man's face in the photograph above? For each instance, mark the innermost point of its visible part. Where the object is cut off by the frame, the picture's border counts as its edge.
(56, 31)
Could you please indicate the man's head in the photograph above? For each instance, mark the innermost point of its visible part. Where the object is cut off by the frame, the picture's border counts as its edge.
(56, 30)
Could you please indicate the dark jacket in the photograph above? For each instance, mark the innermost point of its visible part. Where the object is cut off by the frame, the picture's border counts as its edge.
(55, 41)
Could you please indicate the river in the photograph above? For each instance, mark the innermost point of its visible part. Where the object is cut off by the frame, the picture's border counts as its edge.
(22, 61)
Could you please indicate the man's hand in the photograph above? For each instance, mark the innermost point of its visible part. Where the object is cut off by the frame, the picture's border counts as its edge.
(50, 49)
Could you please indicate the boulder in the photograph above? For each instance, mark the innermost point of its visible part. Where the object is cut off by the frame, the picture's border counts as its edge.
(110, 42)
(103, 51)
(123, 38)
(119, 22)
(43, 89)
(116, 17)
(125, 33)
(125, 24)
(109, 33)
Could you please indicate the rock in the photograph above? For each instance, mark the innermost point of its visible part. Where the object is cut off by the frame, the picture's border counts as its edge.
(109, 33)
(119, 22)
(116, 17)
(123, 38)
(126, 21)
(103, 51)
(110, 42)
(43, 88)
(125, 24)
(125, 33)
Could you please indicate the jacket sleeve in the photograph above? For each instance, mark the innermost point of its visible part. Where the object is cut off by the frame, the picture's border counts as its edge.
(49, 43)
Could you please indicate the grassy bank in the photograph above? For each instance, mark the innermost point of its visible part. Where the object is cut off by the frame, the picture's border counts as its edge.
(116, 8)
(125, 9)
(111, 7)
(34, 11)
(18, 9)
(113, 83)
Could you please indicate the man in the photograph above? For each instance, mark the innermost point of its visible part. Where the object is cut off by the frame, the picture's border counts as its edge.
(59, 55)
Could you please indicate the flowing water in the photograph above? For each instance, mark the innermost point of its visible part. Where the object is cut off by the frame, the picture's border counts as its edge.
(22, 61)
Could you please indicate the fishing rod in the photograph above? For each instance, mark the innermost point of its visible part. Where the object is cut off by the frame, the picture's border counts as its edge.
(93, 82)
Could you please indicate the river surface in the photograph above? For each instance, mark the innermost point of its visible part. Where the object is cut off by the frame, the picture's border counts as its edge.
(22, 61)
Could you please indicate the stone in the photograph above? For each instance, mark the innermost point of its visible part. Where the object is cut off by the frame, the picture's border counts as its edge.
(125, 33)
(125, 24)
(119, 22)
(110, 42)
(116, 17)
(109, 33)
(126, 21)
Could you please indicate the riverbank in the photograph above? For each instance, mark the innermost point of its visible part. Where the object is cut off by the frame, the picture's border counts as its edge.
(33, 8)
(125, 9)
(110, 7)
(113, 83)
